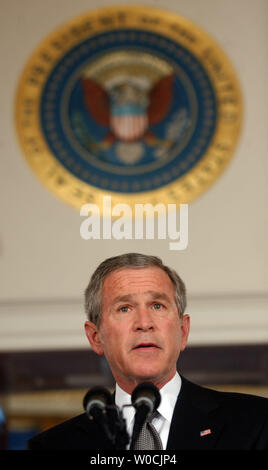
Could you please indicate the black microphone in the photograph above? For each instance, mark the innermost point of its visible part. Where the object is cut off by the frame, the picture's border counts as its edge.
(95, 404)
(146, 394)
(96, 400)
(145, 398)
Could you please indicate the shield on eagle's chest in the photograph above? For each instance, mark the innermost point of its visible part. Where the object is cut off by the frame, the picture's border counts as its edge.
(128, 123)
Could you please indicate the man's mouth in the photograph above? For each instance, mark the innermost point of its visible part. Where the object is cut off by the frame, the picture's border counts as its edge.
(148, 346)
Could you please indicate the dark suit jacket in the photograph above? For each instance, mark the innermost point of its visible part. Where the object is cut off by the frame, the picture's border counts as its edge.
(236, 422)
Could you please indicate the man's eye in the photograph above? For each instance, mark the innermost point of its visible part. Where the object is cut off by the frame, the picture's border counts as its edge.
(157, 306)
(123, 309)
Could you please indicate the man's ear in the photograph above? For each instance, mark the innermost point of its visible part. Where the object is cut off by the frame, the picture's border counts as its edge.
(185, 329)
(93, 337)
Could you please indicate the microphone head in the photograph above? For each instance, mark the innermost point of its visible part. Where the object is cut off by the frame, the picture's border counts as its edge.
(146, 393)
(97, 396)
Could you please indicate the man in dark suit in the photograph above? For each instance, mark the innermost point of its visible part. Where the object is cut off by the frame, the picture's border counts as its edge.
(135, 307)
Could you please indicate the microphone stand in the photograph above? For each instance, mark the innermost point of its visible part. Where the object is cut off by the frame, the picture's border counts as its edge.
(99, 415)
(117, 421)
(112, 423)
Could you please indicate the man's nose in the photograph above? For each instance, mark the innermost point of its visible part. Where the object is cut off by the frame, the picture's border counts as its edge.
(143, 319)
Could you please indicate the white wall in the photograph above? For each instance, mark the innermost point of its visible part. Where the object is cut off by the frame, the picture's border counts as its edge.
(45, 265)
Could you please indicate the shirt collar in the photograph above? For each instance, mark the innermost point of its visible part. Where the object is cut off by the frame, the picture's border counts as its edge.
(123, 398)
(169, 394)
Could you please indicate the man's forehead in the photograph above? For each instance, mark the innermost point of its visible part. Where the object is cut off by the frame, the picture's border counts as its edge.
(128, 281)
(150, 294)
(150, 273)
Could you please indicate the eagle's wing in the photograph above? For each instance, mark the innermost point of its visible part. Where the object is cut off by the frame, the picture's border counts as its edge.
(160, 99)
(96, 101)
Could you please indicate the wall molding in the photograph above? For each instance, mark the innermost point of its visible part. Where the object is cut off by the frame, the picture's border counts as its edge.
(22, 371)
(58, 323)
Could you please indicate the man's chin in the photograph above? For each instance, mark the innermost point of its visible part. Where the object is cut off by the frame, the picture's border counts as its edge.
(147, 374)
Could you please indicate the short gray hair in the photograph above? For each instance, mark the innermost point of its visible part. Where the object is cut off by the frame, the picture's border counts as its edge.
(93, 292)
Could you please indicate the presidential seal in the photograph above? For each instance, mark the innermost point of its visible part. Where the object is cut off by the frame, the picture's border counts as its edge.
(132, 102)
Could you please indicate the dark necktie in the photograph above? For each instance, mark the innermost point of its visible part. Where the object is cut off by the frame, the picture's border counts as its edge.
(148, 439)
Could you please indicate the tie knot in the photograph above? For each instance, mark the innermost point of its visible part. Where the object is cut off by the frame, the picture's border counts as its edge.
(151, 417)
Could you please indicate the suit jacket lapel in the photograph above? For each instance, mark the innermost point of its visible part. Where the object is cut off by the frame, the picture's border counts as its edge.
(196, 410)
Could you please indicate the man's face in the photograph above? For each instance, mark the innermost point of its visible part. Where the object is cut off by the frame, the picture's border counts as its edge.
(141, 333)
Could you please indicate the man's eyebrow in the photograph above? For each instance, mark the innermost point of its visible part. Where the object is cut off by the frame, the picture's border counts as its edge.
(122, 298)
(158, 295)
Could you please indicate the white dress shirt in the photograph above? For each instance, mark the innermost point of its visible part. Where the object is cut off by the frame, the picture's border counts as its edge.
(169, 394)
